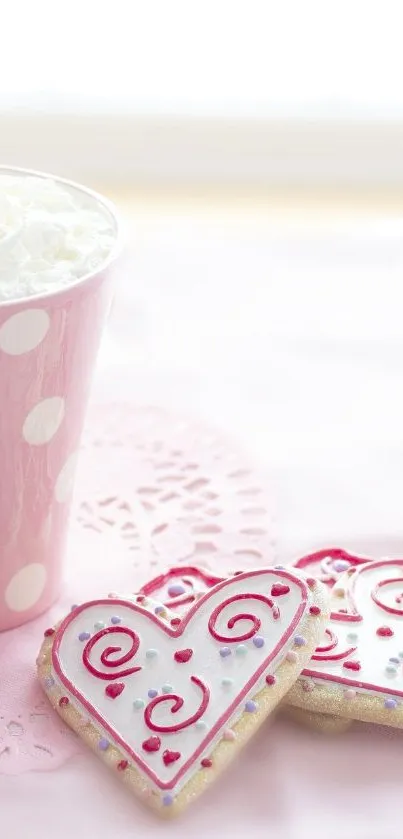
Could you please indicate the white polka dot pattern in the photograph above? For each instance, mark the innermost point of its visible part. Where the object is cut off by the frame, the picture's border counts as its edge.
(65, 479)
(43, 421)
(25, 587)
(24, 331)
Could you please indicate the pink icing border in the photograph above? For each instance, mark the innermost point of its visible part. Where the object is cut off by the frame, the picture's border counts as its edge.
(209, 579)
(329, 677)
(334, 553)
(177, 632)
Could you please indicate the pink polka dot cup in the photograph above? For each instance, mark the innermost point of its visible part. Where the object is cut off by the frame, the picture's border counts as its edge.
(48, 346)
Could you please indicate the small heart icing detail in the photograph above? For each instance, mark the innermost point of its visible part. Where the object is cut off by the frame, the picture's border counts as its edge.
(352, 665)
(384, 632)
(114, 690)
(175, 621)
(170, 757)
(153, 744)
(182, 656)
(279, 589)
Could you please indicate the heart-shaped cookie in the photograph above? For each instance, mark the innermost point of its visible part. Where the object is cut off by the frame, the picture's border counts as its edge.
(181, 586)
(190, 694)
(327, 565)
(357, 670)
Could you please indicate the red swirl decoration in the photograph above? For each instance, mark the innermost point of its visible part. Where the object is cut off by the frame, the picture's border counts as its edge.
(106, 654)
(333, 641)
(243, 616)
(334, 656)
(178, 702)
(324, 653)
(375, 594)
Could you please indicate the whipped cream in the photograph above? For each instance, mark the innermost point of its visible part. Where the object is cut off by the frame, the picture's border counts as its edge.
(50, 235)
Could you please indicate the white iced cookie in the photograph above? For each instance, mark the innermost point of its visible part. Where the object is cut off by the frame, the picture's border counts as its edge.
(357, 670)
(167, 703)
(180, 586)
(326, 565)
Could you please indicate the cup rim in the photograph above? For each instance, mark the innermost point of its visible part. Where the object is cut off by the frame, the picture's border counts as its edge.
(114, 253)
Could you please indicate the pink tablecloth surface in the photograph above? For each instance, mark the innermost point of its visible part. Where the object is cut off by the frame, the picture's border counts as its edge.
(291, 340)
(289, 784)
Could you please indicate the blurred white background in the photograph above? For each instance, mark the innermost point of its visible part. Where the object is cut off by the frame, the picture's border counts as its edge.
(256, 58)
(258, 92)
(255, 150)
